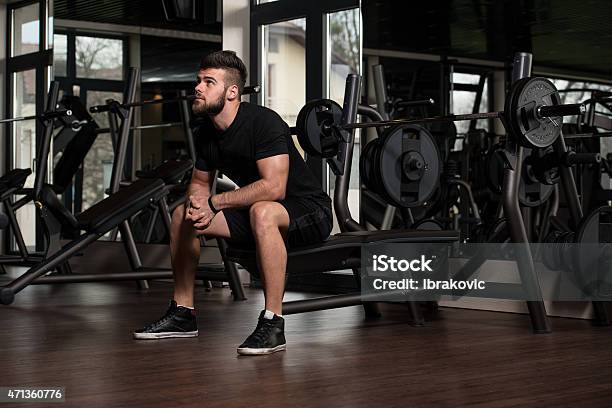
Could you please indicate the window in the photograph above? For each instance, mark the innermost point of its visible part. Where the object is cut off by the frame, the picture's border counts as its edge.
(60, 54)
(99, 64)
(273, 45)
(577, 91)
(99, 160)
(305, 27)
(28, 76)
(26, 26)
(271, 76)
(572, 91)
(289, 72)
(465, 92)
(344, 58)
(99, 58)
(344, 50)
(24, 144)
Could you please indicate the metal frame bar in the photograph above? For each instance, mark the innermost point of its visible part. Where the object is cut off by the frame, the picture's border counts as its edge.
(516, 226)
(38, 61)
(382, 98)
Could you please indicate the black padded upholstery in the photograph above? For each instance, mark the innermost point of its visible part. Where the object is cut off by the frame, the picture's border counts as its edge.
(333, 253)
(170, 171)
(14, 179)
(73, 156)
(52, 202)
(111, 211)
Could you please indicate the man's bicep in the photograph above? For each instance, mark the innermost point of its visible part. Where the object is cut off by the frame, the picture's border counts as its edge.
(274, 168)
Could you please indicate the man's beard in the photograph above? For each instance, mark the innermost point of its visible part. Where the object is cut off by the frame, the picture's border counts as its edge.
(211, 109)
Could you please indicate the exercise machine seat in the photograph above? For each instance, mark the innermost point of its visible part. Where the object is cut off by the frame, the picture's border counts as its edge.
(121, 205)
(13, 180)
(170, 171)
(339, 251)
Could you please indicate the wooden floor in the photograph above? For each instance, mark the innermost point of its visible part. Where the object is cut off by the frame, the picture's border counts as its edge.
(79, 337)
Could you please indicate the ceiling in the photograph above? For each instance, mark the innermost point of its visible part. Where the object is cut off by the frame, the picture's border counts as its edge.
(566, 35)
(163, 59)
(143, 13)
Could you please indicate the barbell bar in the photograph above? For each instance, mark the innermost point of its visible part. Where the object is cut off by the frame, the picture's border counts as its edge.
(107, 106)
(533, 115)
(43, 116)
(541, 113)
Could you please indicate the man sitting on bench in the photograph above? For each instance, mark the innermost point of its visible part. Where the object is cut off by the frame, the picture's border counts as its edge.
(279, 203)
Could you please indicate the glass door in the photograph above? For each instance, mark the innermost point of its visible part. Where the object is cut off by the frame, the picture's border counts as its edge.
(302, 51)
(343, 57)
(29, 60)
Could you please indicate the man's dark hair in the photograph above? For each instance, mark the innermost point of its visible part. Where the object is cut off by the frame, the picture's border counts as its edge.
(236, 72)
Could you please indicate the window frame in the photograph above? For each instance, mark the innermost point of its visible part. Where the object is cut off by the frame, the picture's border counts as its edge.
(68, 81)
(41, 61)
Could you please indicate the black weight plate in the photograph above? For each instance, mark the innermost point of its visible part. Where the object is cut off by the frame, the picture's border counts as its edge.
(396, 142)
(525, 97)
(544, 166)
(314, 127)
(367, 164)
(595, 230)
(428, 225)
(494, 165)
(531, 192)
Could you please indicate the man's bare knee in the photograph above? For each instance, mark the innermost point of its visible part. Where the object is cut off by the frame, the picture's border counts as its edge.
(265, 216)
(260, 216)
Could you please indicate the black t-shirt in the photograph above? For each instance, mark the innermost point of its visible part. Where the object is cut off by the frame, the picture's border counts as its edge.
(256, 133)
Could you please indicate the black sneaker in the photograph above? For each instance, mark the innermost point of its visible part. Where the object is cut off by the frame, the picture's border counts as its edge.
(178, 321)
(268, 337)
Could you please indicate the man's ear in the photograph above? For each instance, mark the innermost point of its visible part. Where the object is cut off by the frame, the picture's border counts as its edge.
(232, 92)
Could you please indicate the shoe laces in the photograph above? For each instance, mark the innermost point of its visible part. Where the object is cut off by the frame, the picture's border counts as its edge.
(263, 329)
(168, 316)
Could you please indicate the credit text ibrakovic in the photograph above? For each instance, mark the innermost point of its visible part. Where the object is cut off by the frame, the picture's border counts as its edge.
(385, 263)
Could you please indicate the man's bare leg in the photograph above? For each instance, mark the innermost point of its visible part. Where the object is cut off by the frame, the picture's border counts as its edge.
(185, 252)
(269, 222)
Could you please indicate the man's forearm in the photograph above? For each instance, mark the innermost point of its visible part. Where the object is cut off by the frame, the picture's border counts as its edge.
(260, 190)
(198, 190)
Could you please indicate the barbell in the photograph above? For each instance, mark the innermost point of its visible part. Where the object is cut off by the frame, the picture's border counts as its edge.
(532, 114)
(43, 116)
(111, 104)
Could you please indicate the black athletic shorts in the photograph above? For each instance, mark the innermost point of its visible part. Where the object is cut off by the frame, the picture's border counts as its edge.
(310, 222)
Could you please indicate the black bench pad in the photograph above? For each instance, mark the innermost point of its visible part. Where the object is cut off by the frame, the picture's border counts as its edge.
(118, 207)
(333, 253)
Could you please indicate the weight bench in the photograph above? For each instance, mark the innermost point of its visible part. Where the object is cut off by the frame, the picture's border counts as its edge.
(94, 222)
(338, 252)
